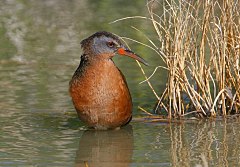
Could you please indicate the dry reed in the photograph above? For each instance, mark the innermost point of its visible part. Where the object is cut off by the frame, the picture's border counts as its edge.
(199, 44)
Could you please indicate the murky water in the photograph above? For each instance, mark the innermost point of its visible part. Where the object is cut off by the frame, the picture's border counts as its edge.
(39, 51)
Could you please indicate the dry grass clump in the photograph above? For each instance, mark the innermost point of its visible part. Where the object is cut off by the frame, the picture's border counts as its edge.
(199, 43)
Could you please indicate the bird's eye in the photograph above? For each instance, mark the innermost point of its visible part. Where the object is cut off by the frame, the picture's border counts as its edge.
(111, 44)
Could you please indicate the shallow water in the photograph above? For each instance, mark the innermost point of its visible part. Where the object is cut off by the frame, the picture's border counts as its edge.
(39, 51)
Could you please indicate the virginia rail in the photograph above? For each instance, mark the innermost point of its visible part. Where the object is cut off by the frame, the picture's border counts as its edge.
(98, 88)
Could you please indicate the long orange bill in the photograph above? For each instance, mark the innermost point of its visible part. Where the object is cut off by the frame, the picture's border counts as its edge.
(129, 53)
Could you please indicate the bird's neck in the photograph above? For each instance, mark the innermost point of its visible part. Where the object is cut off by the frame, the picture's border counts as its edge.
(84, 62)
(88, 63)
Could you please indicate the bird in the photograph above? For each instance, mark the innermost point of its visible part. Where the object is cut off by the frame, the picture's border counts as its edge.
(98, 88)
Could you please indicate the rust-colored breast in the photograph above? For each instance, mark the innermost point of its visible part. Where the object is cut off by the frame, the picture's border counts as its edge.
(101, 96)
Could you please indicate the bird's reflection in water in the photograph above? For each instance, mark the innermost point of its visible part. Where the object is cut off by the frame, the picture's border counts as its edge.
(112, 148)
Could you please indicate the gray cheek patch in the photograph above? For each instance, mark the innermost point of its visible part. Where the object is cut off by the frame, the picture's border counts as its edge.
(99, 45)
(95, 46)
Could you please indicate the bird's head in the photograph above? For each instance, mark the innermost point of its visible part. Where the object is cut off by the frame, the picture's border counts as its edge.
(105, 45)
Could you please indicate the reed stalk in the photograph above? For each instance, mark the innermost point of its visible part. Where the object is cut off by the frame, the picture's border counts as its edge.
(199, 43)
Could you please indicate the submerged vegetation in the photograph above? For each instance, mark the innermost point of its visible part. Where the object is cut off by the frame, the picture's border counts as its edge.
(199, 43)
